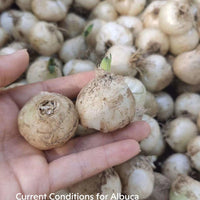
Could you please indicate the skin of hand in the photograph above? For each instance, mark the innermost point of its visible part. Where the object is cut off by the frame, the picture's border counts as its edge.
(27, 170)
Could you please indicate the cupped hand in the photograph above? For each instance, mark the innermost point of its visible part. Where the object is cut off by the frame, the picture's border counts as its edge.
(23, 168)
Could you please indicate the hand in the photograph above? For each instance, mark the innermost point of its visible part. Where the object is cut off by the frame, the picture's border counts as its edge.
(25, 169)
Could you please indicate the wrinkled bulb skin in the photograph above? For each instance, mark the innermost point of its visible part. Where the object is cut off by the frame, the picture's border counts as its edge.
(45, 38)
(106, 103)
(48, 120)
(175, 18)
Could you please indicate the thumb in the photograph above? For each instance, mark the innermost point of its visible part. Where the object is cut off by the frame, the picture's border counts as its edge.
(12, 66)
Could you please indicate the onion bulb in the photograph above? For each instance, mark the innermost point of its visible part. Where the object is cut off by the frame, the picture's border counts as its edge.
(175, 165)
(45, 38)
(161, 188)
(105, 11)
(179, 132)
(132, 23)
(121, 60)
(175, 18)
(106, 103)
(186, 67)
(152, 40)
(96, 26)
(43, 68)
(150, 16)
(156, 73)
(73, 24)
(185, 188)
(73, 48)
(110, 34)
(184, 42)
(48, 120)
(49, 10)
(137, 177)
(138, 90)
(154, 143)
(188, 104)
(165, 106)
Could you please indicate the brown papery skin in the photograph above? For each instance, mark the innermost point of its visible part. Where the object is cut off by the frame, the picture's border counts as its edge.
(48, 120)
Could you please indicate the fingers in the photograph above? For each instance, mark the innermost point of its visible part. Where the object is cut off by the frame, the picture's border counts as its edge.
(68, 86)
(76, 167)
(136, 131)
(12, 66)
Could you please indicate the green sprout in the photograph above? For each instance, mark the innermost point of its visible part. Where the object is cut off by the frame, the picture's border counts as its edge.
(88, 30)
(51, 65)
(106, 63)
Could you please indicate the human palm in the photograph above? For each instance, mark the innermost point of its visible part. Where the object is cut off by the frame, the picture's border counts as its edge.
(26, 170)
